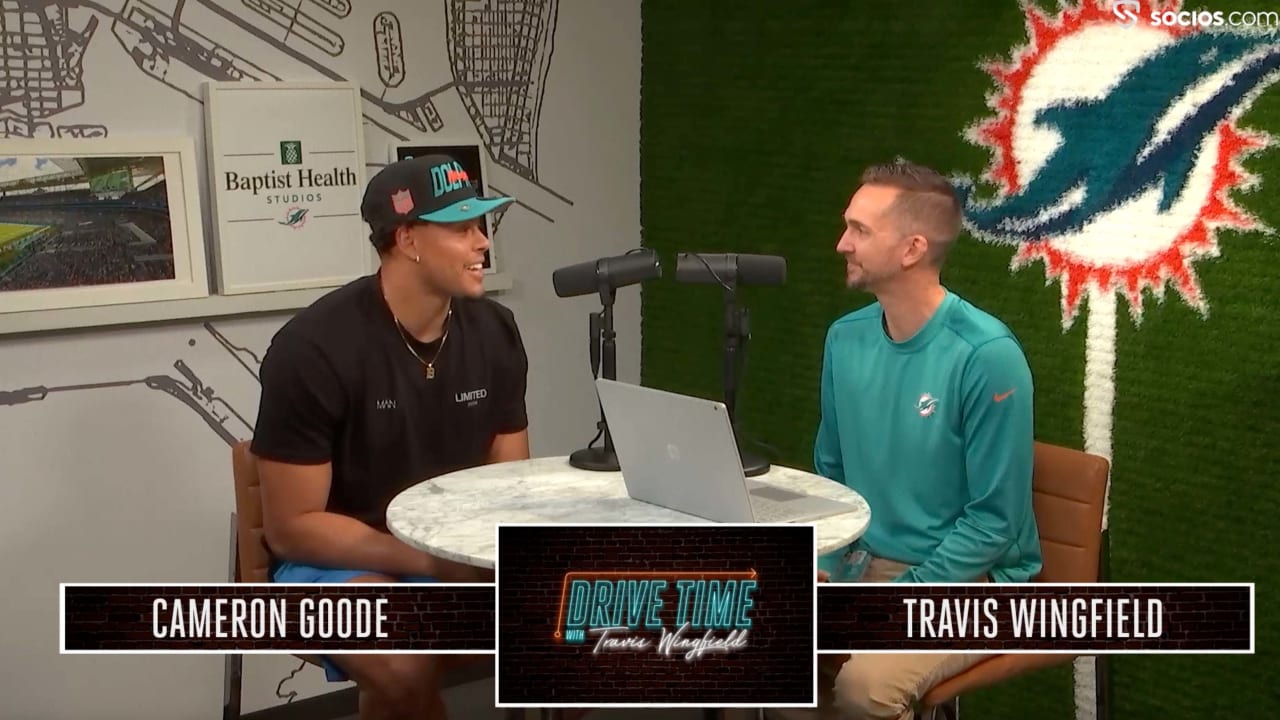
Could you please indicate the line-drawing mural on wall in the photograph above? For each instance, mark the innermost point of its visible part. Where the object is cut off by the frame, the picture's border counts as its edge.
(497, 54)
(226, 421)
(456, 69)
(42, 69)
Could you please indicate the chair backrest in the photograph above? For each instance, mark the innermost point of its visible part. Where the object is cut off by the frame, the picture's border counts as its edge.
(254, 562)
(1070, 489)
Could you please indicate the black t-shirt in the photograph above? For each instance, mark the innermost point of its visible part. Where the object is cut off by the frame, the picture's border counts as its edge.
(339, 385)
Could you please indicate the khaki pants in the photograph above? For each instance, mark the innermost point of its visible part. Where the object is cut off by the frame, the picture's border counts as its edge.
(887, 686)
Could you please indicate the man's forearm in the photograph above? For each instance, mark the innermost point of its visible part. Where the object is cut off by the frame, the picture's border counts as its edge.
(966, 554)
(333, 540)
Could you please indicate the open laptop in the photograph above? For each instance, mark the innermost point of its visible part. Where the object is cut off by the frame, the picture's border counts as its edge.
(680, 452)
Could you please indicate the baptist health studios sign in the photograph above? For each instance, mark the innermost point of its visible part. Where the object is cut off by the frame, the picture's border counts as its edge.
(286, 164)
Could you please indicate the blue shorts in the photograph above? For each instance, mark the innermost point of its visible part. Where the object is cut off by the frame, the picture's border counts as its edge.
(292, 572)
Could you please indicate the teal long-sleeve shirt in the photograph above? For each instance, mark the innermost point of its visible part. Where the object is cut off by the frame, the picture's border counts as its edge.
(936, 433)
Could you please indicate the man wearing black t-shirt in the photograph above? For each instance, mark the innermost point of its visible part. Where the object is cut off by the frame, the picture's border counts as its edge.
(393, 379)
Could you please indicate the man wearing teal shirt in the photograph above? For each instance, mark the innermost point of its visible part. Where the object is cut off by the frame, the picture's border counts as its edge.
(927, 413)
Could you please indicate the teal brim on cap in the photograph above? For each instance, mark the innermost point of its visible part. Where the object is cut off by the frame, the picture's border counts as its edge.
(468, 209)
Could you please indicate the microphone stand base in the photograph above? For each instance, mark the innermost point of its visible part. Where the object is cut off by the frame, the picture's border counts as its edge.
(753, 465)
(596, 459)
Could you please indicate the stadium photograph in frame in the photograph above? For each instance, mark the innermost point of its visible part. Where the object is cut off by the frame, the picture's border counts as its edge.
(103, 221)
(471, 156)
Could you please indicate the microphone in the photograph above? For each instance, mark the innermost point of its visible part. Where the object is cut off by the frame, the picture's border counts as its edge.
(731, 269)
(615, 272)
(603, 276)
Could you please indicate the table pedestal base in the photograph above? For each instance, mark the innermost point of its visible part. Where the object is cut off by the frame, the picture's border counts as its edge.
(753, 465)
(596, 459)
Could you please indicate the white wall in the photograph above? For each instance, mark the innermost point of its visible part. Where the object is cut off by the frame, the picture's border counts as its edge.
(127, 482)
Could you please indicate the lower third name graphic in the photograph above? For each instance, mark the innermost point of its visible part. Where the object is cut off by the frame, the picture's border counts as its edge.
(1035, 617)
(268, 618)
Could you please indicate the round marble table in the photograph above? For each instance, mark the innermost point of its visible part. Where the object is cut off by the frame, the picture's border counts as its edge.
(455, 516)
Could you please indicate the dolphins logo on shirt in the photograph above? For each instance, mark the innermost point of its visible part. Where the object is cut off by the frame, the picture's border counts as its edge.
(926, 405)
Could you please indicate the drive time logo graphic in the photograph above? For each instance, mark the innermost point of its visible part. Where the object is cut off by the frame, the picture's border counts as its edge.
(624, 611)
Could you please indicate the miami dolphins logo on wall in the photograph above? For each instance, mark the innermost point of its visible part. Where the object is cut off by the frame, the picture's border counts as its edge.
(1115, 145)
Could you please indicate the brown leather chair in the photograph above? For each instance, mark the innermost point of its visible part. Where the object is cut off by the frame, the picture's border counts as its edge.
(1069, 493)
(253, 562)
(1069, 490)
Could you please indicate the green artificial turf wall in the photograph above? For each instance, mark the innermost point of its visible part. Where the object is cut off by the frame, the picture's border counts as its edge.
(757, 119)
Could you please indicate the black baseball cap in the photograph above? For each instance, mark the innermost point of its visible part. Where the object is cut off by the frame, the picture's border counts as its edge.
(434, 188)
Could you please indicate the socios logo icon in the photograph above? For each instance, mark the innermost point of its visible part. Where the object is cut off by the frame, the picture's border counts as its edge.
(1126, 12)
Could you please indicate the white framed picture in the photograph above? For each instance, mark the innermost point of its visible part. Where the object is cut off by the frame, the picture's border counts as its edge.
(91, 222)
(286, 177)
(473, 158)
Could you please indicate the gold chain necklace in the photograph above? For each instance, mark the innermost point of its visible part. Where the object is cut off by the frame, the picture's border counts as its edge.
(428, 368)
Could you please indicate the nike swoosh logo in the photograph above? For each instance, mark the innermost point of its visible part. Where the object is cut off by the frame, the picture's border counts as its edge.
(1000, 397)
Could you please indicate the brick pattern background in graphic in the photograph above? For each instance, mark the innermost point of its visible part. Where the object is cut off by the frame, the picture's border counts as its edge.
(859, 617)
(776, 666)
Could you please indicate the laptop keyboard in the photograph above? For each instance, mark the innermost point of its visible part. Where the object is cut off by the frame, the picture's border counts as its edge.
(796, 508)
(771, 492)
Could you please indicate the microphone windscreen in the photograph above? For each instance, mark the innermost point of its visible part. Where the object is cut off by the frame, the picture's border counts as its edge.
(762, 270)
(574, 280)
